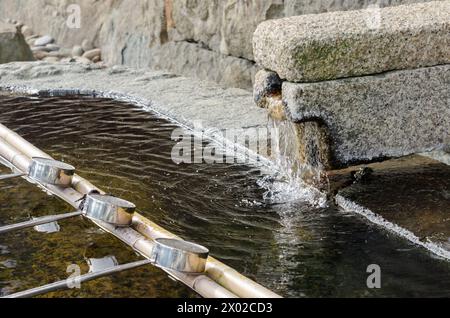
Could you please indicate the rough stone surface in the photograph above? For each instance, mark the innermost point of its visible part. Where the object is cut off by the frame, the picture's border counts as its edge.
(12, 45)
(191, 60)
(139, 33)
(333, 45)
(267, 84)
(227, 26)
(393, 114)
(185, 100)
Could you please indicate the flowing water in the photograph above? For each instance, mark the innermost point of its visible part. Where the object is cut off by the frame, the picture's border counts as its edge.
(289, 245)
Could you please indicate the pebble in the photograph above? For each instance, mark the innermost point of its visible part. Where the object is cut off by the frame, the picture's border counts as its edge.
(92, 54)
(59, 54)
(96, 59)
(39, 55)
(51, 59)
(65, 52)
(52, 47)
(83, 60)
(42, 48)
(55, 54)
(44, 40)
(31, 37)
(77, 51)
(38, 48)
(26, 31)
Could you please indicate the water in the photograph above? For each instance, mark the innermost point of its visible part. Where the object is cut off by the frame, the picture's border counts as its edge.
(289, 245)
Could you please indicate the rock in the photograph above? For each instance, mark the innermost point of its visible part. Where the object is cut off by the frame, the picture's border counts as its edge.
(39, 48)
(44, 40)
(56, 54)
(363, 174)
(77, 51)
(267, 84)
(96, 59)
(68, 60)
(343, 44)
(39, 55)
(26, 31)
(51, 59)
(12, 45)
(65, 52)
(52, 47)
(377, 116)
(82, 60)
(92, 54)
(62, 53)
(267, 94)
(31, 37)
(87, 45)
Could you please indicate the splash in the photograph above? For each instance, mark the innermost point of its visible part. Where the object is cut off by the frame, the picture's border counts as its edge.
(286, 182)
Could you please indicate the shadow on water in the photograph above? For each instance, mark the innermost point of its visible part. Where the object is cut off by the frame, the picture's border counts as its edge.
(292, 247)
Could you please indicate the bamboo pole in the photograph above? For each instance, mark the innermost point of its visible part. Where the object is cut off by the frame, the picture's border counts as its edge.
(230, 279)
(208, 287)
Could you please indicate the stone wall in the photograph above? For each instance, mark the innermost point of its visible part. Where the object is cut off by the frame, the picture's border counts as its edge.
(209, 39)
(12, 45)
(377, 91)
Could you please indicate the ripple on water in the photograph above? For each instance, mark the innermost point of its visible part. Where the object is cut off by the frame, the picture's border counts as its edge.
(285, 236)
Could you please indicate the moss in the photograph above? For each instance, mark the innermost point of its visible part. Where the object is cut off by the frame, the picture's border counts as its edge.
(321, 60)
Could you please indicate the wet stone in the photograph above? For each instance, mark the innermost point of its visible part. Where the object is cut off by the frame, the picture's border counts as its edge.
(77, 51)
(44, 40)
(408, 196)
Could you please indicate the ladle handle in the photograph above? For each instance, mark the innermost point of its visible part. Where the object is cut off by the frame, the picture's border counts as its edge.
(38, 221)
(11, 176)
(65, 284)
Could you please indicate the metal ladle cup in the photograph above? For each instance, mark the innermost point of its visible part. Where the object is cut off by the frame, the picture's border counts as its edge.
(108, 209)
(179, 255)
(49, 171)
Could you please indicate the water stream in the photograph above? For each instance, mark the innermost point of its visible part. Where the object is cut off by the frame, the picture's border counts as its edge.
(292, 245)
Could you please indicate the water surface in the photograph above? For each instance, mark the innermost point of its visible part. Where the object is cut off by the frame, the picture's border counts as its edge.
(290, 246)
